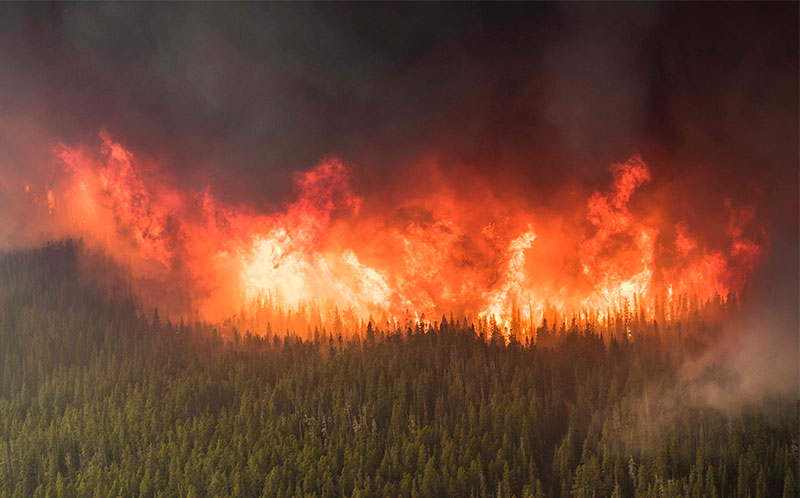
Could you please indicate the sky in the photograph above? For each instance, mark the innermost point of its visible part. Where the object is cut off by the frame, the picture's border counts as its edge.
(240, 96)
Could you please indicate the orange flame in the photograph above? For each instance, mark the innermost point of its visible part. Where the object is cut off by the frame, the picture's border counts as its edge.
(329, 259)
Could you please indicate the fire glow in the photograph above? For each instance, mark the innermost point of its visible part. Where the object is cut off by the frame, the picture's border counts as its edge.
(327, 256)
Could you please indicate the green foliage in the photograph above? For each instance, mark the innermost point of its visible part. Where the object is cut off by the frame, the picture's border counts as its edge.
(98, 400)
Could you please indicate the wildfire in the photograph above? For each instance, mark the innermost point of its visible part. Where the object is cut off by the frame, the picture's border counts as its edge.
(324, 258)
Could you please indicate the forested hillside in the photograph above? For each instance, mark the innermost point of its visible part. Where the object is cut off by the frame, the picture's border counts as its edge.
(103, 399)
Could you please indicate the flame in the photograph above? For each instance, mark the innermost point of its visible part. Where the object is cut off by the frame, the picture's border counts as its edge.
(51, 202)
(331, 256)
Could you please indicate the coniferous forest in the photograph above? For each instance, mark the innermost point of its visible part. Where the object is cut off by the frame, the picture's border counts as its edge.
(99, 398)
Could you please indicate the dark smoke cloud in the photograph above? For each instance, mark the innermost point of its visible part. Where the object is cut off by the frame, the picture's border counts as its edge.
(240, 95)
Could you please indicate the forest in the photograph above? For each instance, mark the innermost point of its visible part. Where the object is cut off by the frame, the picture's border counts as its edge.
(101, 397)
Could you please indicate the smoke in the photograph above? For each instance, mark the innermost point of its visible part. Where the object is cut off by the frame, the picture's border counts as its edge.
(758, 356)
(239, 97)
(752, 364)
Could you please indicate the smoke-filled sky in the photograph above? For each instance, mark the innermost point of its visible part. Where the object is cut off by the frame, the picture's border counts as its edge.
(240, 96)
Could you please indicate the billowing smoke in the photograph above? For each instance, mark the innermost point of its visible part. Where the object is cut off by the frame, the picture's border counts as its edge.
(532, 96)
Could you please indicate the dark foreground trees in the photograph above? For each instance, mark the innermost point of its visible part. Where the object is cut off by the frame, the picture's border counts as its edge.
(97, 400)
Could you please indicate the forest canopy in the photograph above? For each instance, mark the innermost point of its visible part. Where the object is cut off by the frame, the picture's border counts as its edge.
(100, 397)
